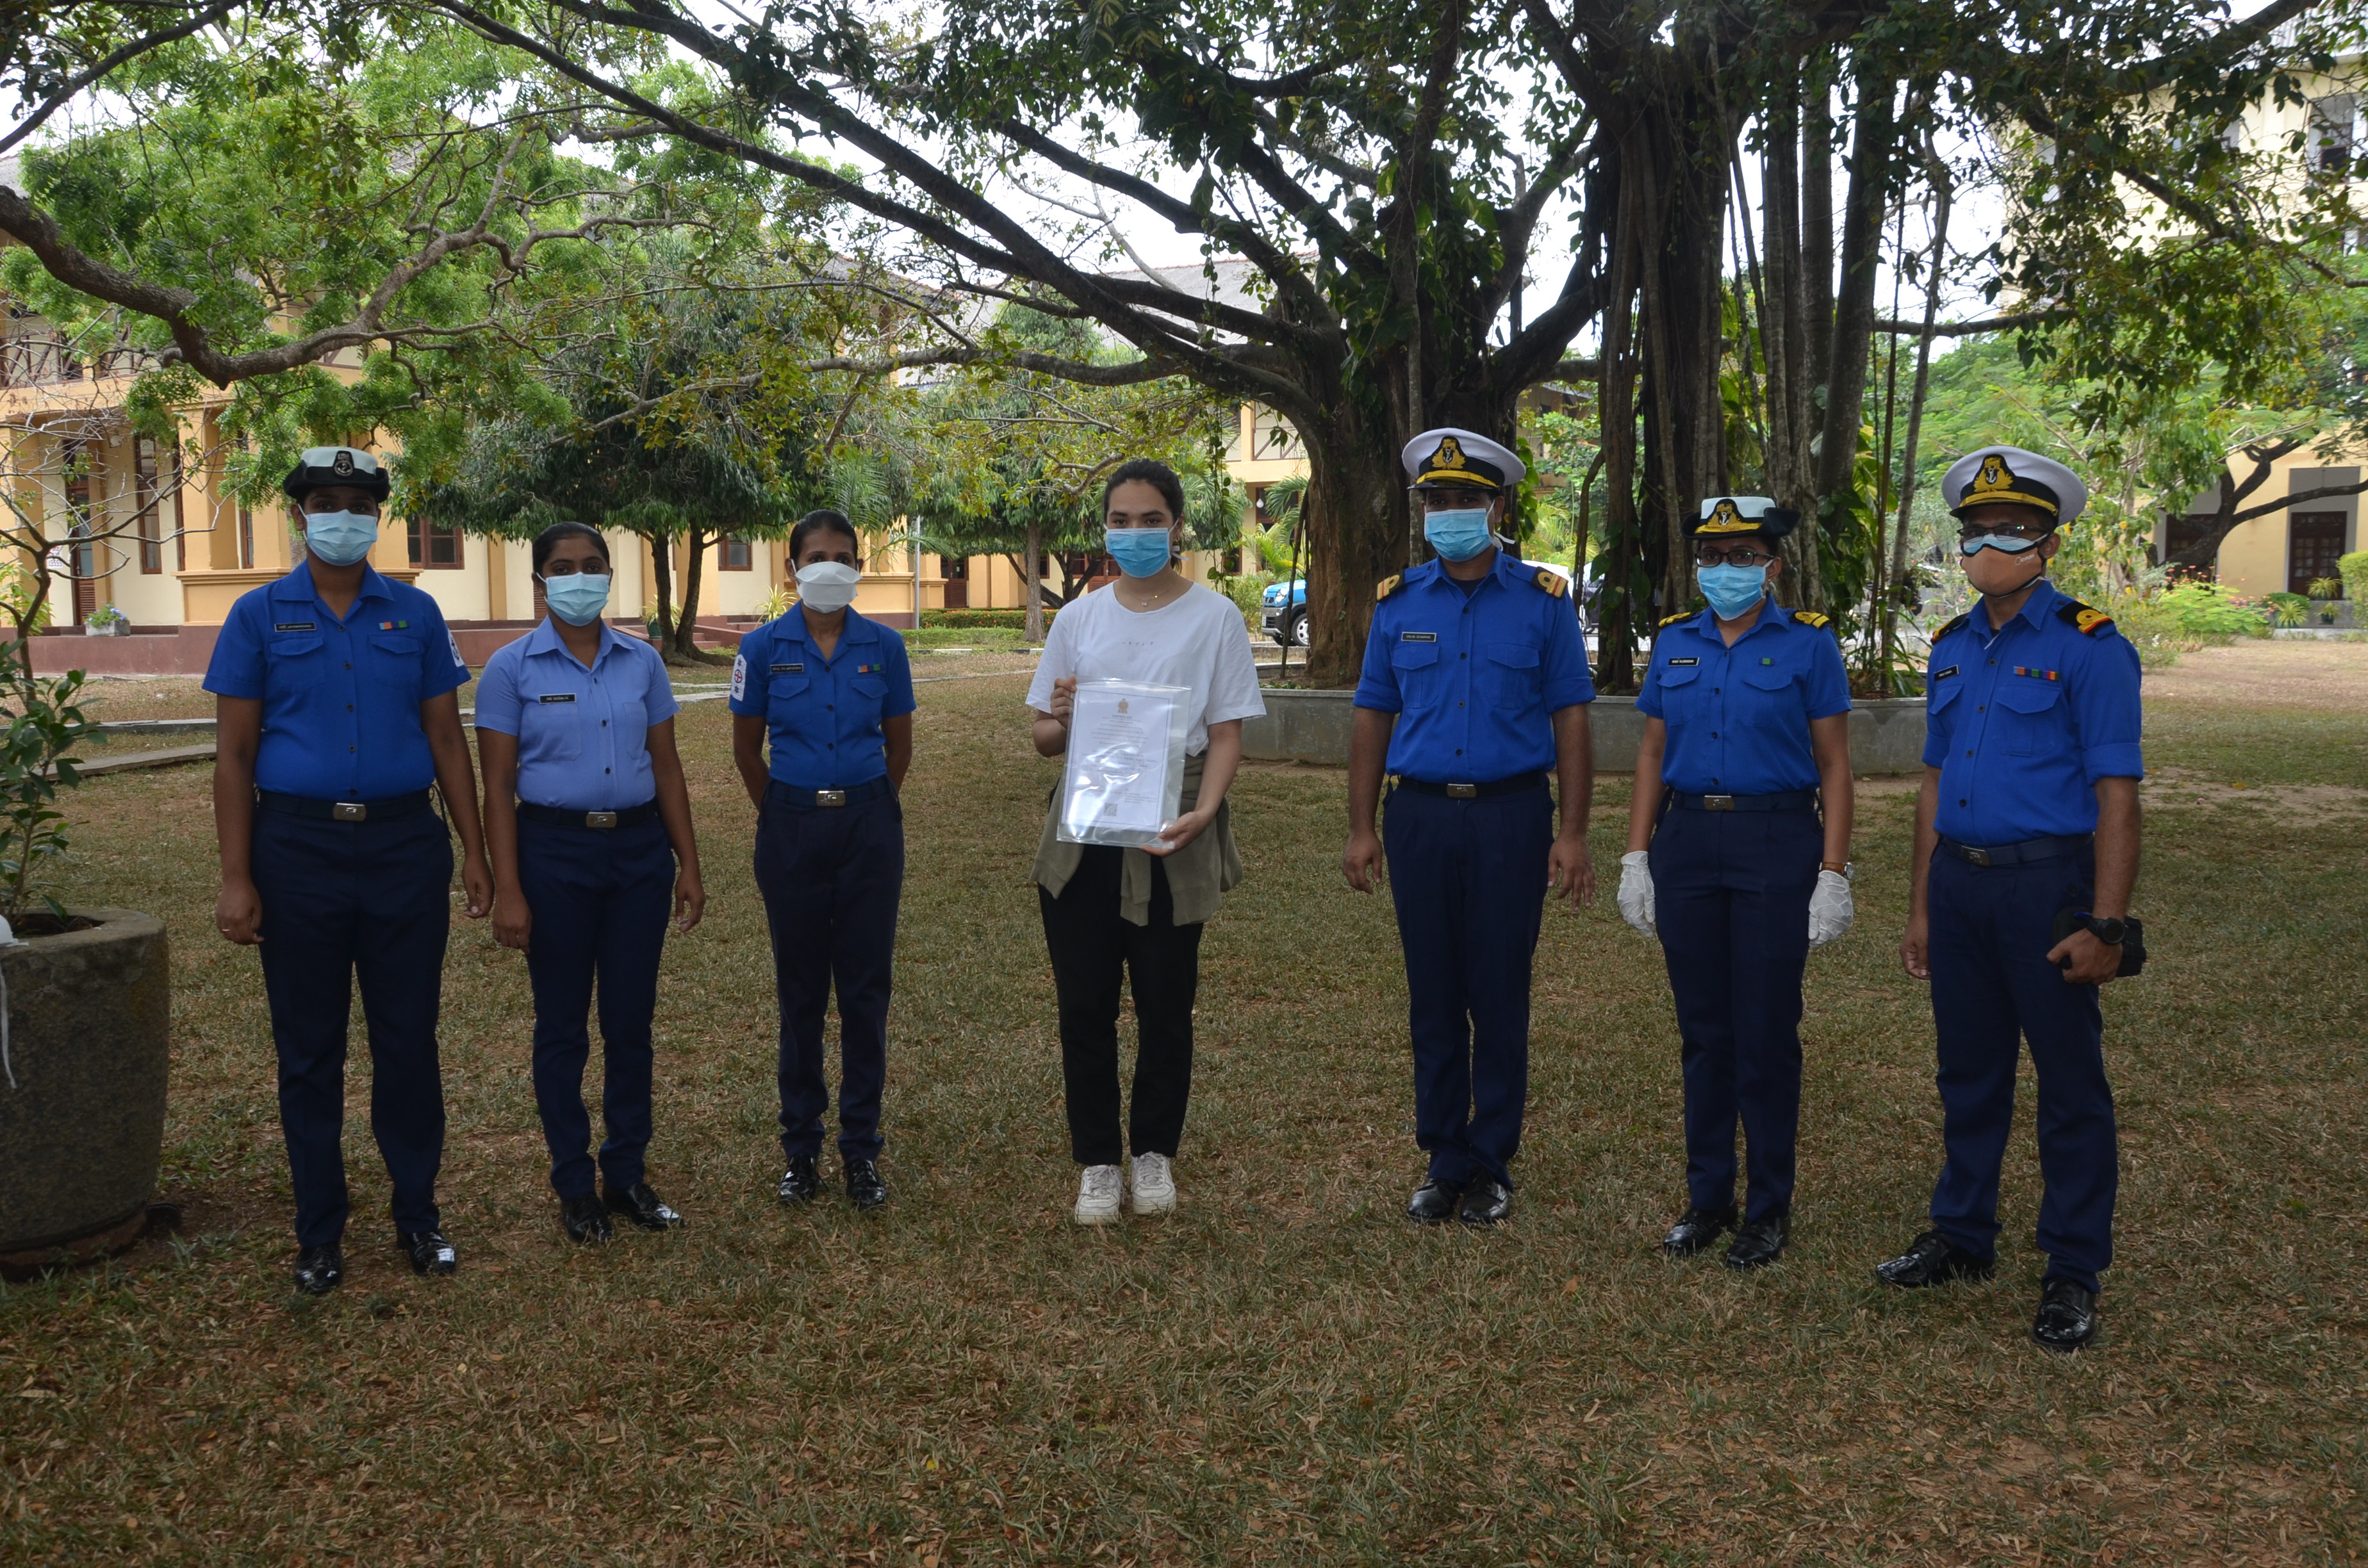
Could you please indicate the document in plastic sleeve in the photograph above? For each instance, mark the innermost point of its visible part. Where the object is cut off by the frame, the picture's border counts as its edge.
(1122, 778)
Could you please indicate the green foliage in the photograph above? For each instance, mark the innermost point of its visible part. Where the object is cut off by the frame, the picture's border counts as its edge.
(2204, 609)
(2326, 587)
(1004, 620)
(45, 724)
(2288, 610)
(2354, 570)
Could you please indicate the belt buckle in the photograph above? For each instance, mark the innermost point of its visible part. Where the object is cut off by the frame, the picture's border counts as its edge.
(1976, 856)
(1463, 791)
(1718, 802)
(350, 810)
(830, 797)
(599, 819)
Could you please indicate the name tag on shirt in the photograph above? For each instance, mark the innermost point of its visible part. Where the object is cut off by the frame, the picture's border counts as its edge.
(1417, 636)
(1685, 661)
(296, 626)
(1945, 674)
(789, 669)
(556, 697)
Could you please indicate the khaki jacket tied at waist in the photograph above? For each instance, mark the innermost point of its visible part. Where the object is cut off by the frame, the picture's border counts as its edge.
(1199, 875)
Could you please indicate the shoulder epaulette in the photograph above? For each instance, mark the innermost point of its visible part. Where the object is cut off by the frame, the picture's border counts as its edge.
(1387, 586)
(1810, 618)
(1551, 583)
(1957, 625)
(1672, 620)
(2081, 618)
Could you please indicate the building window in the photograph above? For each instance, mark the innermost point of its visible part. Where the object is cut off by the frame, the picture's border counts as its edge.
(2314, 543)
(2184, 532)
(181, 516)
(2331, 132)
(245, 535)
(151, 528)
(736, 554)
(434, 547)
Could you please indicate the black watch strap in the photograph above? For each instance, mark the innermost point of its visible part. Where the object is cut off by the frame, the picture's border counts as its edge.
(2109, 932)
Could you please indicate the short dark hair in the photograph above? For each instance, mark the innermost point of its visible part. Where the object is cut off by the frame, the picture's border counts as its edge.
(822, 521)
(1151, 472)
(548, 540)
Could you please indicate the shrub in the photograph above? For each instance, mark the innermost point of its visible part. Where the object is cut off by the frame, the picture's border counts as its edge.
(2289, 609)
(1244, 590)
(2202, 609)
(2354, 569)
(45, 722)
(1009, 620)
(2326, 589)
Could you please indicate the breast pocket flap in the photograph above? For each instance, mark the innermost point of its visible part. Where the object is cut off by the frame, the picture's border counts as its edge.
(869, 686)
(1943, 693)
(2030, 696)
(1414, 655)
(785, 685)
(398, 647)
(294, 647)
(1766, 677)
(1679, 674)
(1515, 655)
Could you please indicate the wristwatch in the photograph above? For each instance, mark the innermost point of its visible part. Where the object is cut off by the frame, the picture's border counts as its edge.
(2109, 932)
(1847, 872)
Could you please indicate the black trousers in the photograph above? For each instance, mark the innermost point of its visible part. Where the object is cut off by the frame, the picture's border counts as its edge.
(1092, 948)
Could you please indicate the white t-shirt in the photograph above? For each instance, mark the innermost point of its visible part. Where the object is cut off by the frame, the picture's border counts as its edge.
(1197, 641)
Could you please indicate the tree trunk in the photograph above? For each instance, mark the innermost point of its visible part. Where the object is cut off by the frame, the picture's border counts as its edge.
(1816, 250)
(1355, 511)
(685, 626)
(1618, 621)
(1853, 323)
(1032, 583)
(1895, 595)
(662, 578)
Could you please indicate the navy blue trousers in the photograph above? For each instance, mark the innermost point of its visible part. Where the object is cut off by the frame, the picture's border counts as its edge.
(341, 902)
(1992, 926)
(600, 899)
(831, 877)
(1731, 899)
(1469, 878)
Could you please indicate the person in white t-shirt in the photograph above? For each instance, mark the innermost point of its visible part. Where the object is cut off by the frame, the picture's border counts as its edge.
(1137, 913)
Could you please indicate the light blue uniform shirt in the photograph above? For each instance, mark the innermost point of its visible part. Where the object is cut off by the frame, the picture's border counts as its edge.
(583, 735)
(2022, 721)
(1738, 717)
(340, 697)
(824, 715)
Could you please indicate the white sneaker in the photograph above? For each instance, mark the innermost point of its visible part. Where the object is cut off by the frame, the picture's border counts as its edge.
(1155, 1185)
(1098, 1194)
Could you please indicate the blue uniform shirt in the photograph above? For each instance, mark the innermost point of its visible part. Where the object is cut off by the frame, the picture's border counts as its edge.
(2022, 723)
(1738, 717)
(825, 715)
(340, 699)
(1474, 677)
(583, 735)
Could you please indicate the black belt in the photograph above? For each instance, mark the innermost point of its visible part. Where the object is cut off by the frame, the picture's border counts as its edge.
(1782, 800)
(2028, 852)
(1512, 786)
(2018, 854)
(632, 816)
(808, 800)
(392, 808)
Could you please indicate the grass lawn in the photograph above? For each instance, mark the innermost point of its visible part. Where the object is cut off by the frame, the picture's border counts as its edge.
(1283, 1371)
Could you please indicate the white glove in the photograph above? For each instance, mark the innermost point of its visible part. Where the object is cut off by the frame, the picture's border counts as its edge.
(1636, 889)
(1831, 909)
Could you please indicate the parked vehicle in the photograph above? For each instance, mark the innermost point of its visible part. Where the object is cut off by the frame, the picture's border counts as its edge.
(1285, 622)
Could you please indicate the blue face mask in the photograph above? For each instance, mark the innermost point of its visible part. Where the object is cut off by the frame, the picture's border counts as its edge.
(578, 599)
(1458, 535)
(339, 538)
(1732, 590)
(1140, 553)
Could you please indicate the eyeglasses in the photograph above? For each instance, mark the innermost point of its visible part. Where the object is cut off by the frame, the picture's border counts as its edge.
(2010, 540)
(1742, 555)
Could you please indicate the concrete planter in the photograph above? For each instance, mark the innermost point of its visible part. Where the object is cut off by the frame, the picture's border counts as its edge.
(1886, 735)
(82, 1131)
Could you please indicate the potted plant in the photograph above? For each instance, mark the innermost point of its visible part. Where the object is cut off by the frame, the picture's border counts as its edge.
(85, 1004)
(107, 622)
(2323, 592)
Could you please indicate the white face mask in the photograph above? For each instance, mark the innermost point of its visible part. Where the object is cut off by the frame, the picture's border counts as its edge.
(825, 587)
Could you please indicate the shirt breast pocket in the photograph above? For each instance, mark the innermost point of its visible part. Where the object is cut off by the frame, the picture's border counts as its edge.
(870, 694)
(1681, 692)
(2030, 717)
(784, 695)
(1415, 666)
(1512, 673)
(295, 665)
(1773, 706)
(395, 661)
(550, 732)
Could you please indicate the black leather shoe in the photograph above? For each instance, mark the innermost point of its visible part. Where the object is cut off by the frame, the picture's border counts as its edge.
(1433, 1202)
(1934, 1259)
(643, 1207)
(429, 1251)
(800, 1183)
(1698, 1232)
(1486, 1202)
(318, 1270)
(864, 1187)
(2067, 1315)
(585, 1220)
(1761, 1242)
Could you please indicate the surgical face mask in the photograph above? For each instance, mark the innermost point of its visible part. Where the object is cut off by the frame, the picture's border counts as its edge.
(1459, 535)
(1994, 563)
(825, 587)
(339, 538)
(1732, 590)
(577, 598)
(1140, 553)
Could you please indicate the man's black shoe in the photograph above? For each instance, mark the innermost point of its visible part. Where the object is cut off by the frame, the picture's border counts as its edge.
(1761, 1242)
(429, 1251)
(2067, 1315)
(318, 1270)
(1433, 1202)
(800, 1183)
(1485, 1201)
(643, 1207)
(864, 1187)
(585, 1220)
(1934, 1259)
(1698, 1232)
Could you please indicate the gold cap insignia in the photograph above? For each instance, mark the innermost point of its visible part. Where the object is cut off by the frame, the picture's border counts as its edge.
(1725, 518)
(1996, 482)
(1449, 454)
